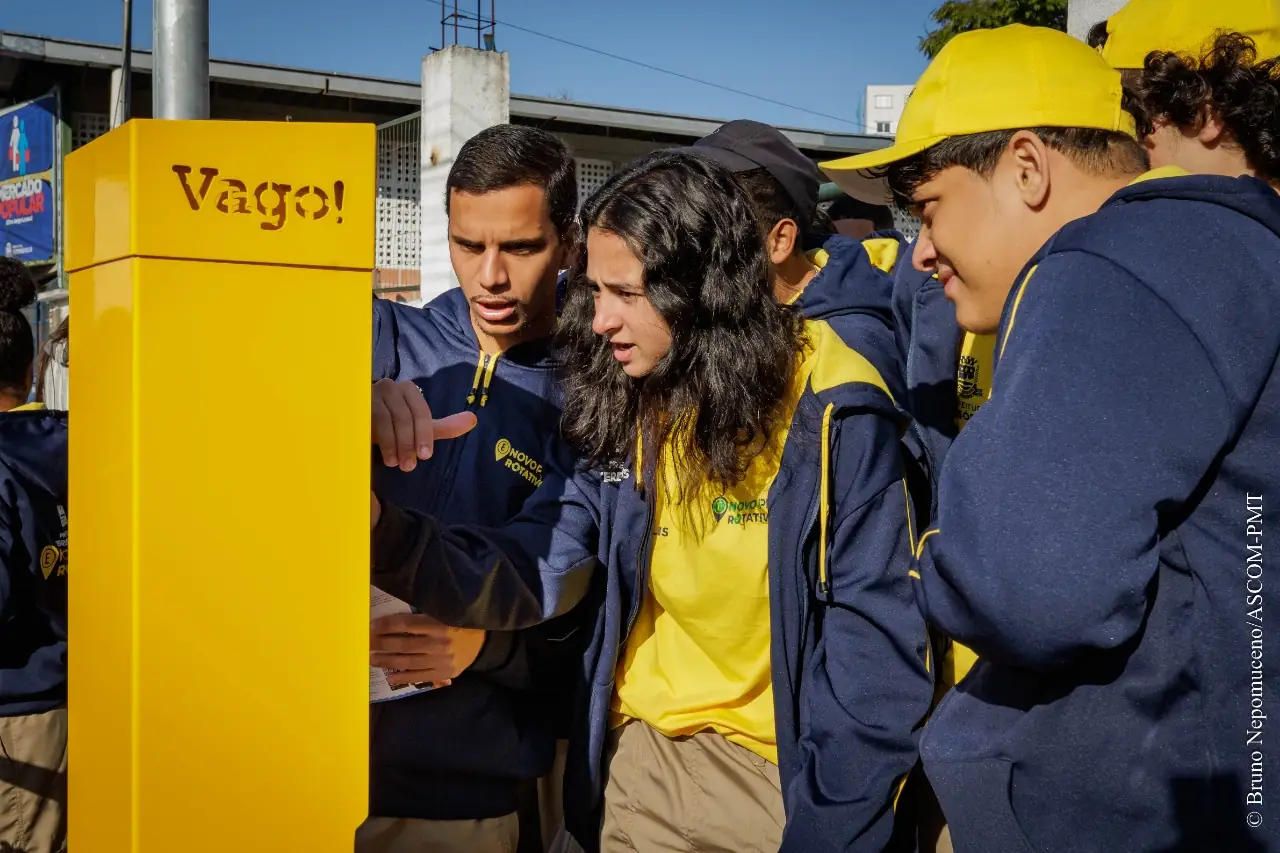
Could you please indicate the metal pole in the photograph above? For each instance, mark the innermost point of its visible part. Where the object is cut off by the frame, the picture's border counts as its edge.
(181, 59)
(126, 67)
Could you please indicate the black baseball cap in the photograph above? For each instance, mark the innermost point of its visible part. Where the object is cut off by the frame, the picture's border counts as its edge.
(744, 146)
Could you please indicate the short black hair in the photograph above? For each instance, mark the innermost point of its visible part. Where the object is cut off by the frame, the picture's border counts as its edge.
(513, 155)
(1097, 37)
(771, 203)
(1228, 78)
(17, 343)
(1098, 152)
(847, 207)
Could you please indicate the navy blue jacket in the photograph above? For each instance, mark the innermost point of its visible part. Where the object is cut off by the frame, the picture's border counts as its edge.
(1098, 539)
(849, 645)
(33, 561)
(855, 297)
(458, 752)
(858, 295)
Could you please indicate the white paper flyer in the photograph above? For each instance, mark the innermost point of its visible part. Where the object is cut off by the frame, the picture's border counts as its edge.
(382, 604)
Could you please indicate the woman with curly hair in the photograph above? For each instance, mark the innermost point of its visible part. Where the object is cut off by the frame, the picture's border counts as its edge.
(738, 523)
(1205, 81)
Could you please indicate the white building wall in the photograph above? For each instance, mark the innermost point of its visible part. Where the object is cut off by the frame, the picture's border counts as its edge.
(1083, 14)
(884, 108)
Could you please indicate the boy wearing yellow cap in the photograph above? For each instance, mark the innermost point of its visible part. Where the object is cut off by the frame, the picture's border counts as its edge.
(1100, 519)
(1207, 80)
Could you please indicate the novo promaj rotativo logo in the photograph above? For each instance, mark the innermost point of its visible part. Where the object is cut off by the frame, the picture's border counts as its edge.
(271, 200)
(519, 461)
(740, 512)
(53, 557)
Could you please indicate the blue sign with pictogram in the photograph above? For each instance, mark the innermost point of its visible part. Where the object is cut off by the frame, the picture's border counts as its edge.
(29, 180)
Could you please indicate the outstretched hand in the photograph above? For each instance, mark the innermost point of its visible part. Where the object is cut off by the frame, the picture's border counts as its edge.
(404, 428)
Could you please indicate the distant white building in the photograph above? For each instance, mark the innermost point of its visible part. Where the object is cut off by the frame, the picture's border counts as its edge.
(884, 108)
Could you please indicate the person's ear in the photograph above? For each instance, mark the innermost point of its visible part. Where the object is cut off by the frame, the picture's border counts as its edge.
(782, 240)
(1212, 129)
(1028, 158)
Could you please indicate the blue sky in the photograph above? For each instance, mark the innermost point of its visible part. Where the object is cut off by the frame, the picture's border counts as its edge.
(817, 54)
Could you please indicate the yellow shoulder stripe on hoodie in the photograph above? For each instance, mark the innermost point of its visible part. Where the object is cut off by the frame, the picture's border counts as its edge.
(835, 363)
(1162, 172)
(28, 407)
(882, 252)
(1013, 315)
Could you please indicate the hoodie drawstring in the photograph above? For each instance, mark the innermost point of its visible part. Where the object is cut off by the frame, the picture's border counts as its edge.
(491, 364)
(485, 366)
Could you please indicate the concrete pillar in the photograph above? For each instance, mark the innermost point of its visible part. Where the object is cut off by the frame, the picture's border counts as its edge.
(464, 91)
(117, 107)
(1083, 14)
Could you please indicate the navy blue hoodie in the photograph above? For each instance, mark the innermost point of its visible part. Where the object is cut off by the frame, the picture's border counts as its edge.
(1099, 534)
(459, 752)
(33, 561)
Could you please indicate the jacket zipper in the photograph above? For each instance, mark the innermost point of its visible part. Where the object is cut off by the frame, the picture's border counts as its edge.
(643, 558)
(458, 445)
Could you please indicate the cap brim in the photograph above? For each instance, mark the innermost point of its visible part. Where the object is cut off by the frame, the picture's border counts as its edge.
(731, 160)
(850, 174)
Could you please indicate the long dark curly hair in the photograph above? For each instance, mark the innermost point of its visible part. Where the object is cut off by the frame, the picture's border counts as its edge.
(1228, 78)
(714, 401)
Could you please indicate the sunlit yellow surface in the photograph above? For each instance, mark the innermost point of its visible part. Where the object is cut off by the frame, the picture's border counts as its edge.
(219, 475)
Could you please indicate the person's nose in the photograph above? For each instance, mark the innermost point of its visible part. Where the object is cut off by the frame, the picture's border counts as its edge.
(925, 255)
(607, 320)
(492, 274)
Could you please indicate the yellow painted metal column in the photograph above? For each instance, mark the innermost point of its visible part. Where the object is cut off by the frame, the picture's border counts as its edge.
(220, 282)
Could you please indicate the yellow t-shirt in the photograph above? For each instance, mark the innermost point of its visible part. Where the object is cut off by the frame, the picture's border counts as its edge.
(973, 388)
(698, 655)
(973, 375)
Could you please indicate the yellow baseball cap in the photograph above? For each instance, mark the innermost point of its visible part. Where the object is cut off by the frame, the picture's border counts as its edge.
(1187, 27)
(1005, 79)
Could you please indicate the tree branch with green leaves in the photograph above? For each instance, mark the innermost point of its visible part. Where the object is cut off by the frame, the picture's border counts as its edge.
(960, 16)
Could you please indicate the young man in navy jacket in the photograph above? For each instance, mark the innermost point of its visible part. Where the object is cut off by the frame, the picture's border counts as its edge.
(33, 590)
(448, 766)
(1100, 518)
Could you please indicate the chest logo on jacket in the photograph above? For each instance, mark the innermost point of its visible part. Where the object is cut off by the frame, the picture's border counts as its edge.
(53, 558)
(518, 461)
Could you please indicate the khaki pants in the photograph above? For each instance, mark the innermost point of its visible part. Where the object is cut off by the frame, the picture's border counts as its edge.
(551, 798)
(405, 835)
(33, 782)
(699, 793)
